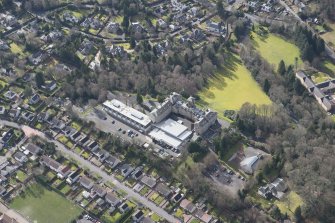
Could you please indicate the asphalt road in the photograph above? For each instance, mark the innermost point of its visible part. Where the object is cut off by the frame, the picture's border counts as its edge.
(60, 147)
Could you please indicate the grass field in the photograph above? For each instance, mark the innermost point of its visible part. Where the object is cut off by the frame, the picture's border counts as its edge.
(231, 88)
(329, 37)
(274, 49)
(320, 77)
(289, 203)
(41, 205)
(15, 48)
(328, 67)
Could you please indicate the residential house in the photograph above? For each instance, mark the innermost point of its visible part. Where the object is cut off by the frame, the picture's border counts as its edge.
(87, 47)
(68, 17)
(84, 141)
(274, 189)
(101, 154)
(112, 199)
(93, 146)
(198, 35)
(137, 173)
(113, 27)
(112, 161)
(149, 181)
(126, 169)
(2, 110)
(28, 116)
(117, 51)
(98, 190)
(124, 207)
(215, 27)
(136, 27)
(34, 99)
(188, 206)
(14, 112)
(50, 86)
(43, 116)
(6, 136)
(161, 24)
(62, 171)
(3, 46)
(147, 220)
(86, 182)
(177, 197)
(20, 157)
(75, 136)
(11, 95)
(163, 190)
(33, 149)
(73, 176)
(203, 216)
(138, 215)
(4, 218)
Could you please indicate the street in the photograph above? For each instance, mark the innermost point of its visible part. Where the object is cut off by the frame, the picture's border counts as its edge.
(60, 147)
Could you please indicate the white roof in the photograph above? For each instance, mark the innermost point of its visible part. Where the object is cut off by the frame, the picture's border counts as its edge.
(247, 164)
(171, 132)
(160, 135)
(172, 127)
(129, 112)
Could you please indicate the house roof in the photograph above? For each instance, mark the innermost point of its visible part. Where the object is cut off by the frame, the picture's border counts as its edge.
(111, 197)
(163, 189)
(32, 148)
(99, 189)
(51, 163)
(86, 182)
(149, 181)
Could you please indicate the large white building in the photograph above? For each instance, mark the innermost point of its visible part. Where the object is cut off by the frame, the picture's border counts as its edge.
(129, 115)
(202, 119)
(171, 133)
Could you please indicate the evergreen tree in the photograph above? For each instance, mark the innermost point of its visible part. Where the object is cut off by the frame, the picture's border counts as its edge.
(298, 215)
(281, 68)
(266, 86)
(39, 79)
(139, 98)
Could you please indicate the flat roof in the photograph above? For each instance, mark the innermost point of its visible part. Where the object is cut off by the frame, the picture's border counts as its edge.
(172, 127)
(128, 112)
(161, 135)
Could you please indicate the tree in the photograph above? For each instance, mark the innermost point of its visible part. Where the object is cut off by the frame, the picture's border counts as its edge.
(125, 23)
(266, 86)
(39, 79)
(139, 98)
(281, 68)
(297, 214)
(132, 42)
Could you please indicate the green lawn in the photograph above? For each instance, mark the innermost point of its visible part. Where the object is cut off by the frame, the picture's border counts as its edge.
(328, 67)
(41, 205)
(329, 37)
(289, 203)
(21, 176)
(15, 48)
(230, 88)
(320, 77)
(274, 49)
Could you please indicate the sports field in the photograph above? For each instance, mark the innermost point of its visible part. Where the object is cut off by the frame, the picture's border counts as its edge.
(41, 205)
(274, 49)
(230, 88)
